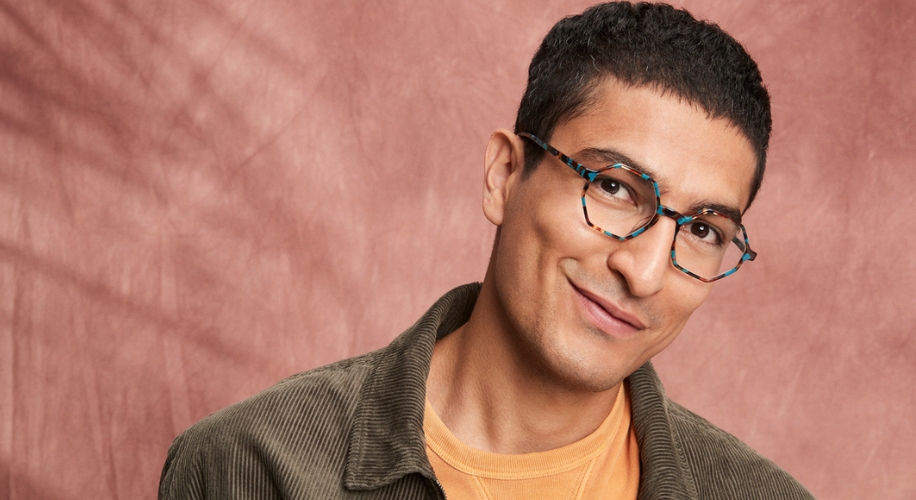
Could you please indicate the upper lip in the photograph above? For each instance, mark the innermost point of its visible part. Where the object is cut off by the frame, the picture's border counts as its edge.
(612, 308)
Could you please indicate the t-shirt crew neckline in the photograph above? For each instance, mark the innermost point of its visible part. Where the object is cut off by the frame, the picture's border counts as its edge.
(526, 465)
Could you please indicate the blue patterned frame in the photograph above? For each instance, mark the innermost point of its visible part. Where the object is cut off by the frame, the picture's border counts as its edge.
(661, 210)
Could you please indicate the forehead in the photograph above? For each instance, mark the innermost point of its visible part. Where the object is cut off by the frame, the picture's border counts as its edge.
(696, 160)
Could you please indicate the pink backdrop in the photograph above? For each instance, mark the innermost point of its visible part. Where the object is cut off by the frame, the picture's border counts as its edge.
(200, 197)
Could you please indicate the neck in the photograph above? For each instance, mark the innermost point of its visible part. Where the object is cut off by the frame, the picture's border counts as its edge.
(491, 396)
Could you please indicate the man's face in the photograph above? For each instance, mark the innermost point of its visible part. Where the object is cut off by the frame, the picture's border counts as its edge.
(584, 309)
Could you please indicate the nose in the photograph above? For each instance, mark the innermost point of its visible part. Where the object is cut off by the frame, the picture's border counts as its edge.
(644, 261)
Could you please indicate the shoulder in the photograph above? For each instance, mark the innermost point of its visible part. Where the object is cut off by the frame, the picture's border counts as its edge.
(723, 466)
(296, 429)
(321, 397)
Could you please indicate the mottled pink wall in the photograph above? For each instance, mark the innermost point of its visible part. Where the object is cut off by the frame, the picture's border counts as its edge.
(200, 197)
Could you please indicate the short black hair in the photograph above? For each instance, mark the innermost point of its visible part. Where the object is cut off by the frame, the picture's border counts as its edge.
(643, 44)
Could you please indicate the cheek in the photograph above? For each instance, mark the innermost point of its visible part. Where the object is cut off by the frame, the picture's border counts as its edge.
(684, 298)
(535, 236)
(538, 226)
(525, 247)
(678, 305)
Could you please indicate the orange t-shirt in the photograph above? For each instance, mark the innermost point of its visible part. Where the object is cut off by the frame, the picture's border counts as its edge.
(604, 464)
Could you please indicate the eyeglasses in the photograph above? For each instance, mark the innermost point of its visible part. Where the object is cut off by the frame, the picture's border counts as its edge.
(622, 203)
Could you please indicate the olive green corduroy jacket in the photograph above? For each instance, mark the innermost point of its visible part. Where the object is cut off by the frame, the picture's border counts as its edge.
(354, 430)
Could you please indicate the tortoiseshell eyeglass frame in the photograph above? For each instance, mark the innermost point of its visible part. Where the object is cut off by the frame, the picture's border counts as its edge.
(661, 210)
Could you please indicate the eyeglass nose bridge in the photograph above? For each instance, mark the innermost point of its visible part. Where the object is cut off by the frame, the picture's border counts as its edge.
(660, 211)
(672, 214)
(663, 211)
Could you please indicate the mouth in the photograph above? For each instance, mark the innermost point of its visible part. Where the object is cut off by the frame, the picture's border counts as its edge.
(608, 317)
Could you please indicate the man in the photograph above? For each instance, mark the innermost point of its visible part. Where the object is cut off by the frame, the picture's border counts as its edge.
(640, 141)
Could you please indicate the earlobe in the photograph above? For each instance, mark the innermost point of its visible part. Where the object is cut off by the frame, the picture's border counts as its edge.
(503, 165)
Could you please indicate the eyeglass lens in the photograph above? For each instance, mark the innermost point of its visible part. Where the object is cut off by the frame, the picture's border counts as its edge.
(620, 202)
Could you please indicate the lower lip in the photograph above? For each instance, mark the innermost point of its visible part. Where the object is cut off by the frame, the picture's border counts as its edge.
(603, 320)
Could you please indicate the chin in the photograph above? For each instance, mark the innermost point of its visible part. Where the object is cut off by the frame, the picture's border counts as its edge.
(591, 376)
(596, 385)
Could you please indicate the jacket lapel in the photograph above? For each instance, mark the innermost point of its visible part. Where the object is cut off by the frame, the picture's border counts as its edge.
(387, 440)
(664, 473)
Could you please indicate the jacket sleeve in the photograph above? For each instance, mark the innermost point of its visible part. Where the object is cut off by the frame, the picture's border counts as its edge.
(207, 464)
(182, 478)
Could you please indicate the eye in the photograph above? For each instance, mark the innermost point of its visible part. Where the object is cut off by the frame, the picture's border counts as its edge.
(705, 232)
(613, 189)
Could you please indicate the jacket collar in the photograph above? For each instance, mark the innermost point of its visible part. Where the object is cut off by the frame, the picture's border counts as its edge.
(387, 439)
(664, 473)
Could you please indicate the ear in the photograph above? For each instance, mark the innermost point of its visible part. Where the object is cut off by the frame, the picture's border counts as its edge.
(503, 165)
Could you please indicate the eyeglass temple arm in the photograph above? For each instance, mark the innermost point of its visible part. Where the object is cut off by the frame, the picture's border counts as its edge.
(750, 254)
(580, 169)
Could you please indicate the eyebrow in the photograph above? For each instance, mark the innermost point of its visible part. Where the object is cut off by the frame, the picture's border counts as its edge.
(611, 157)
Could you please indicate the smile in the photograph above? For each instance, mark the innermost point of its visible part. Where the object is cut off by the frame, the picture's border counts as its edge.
(607, 316)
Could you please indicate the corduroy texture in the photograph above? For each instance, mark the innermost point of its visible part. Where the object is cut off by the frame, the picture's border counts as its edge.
(354, 429)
